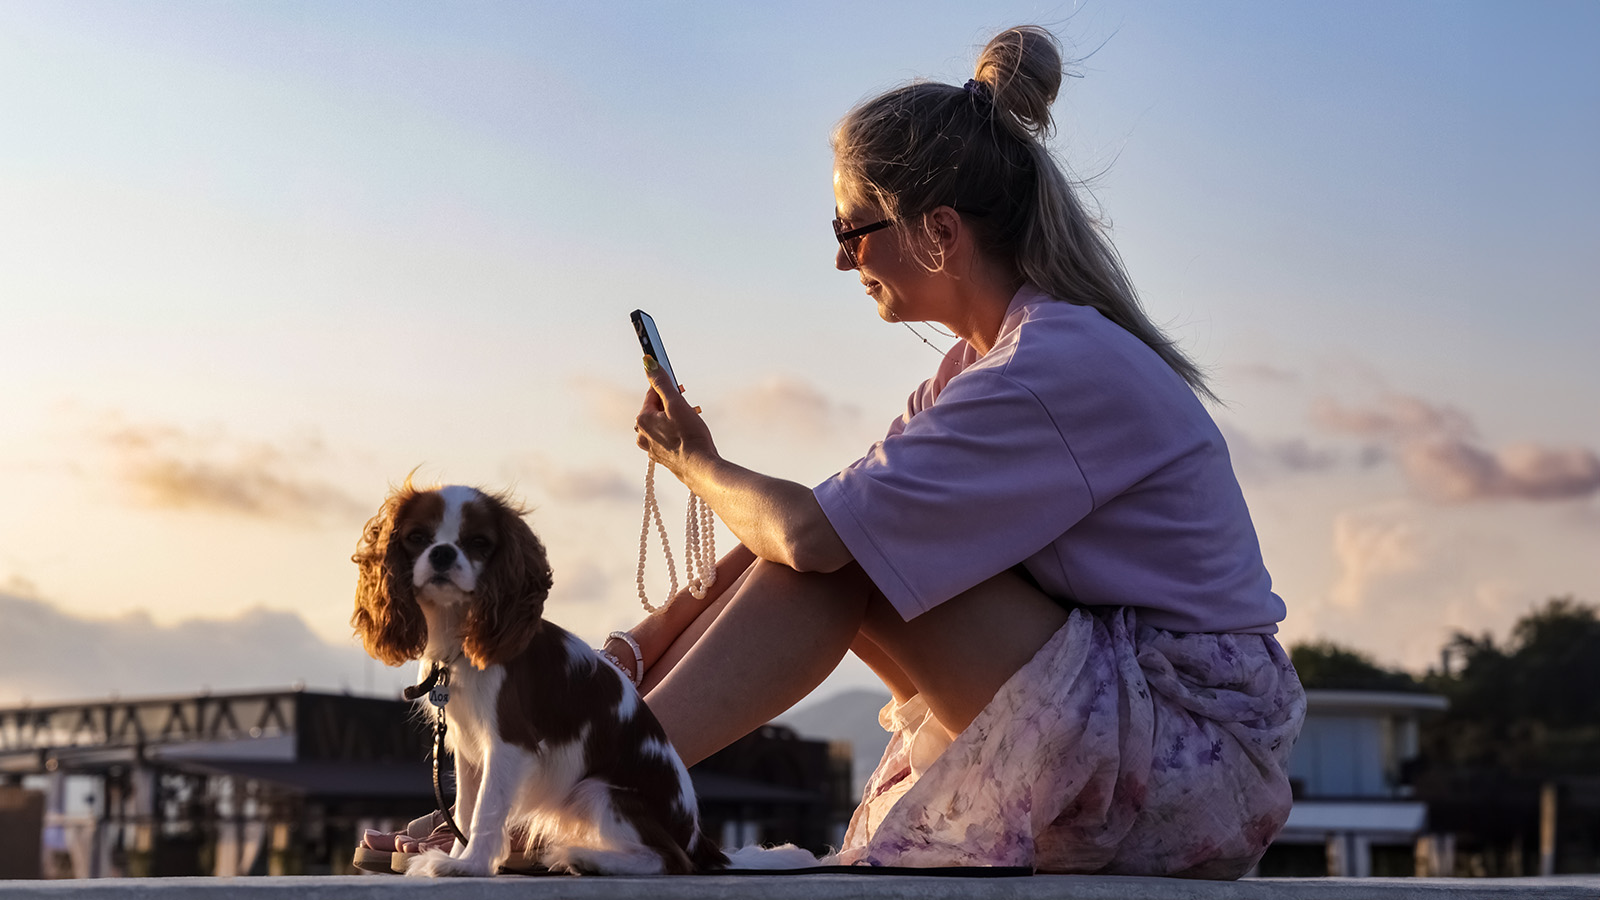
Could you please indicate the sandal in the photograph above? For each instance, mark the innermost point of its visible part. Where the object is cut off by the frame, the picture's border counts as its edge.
(389, 852)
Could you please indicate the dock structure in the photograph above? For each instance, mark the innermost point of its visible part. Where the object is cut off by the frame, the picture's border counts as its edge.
(192, 790)
(284, 783)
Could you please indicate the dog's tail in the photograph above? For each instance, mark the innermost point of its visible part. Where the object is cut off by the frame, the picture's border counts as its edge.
(783, 856)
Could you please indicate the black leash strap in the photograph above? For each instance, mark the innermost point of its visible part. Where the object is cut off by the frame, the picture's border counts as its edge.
(902, 871)
(437, 687)
(941, 871)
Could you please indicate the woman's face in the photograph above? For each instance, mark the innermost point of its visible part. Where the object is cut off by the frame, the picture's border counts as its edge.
(902, 286)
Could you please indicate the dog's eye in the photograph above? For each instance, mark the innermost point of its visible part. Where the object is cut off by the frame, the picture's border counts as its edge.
(417, 539)
(479, 542)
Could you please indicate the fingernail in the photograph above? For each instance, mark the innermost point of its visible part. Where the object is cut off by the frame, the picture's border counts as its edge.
(649, 363)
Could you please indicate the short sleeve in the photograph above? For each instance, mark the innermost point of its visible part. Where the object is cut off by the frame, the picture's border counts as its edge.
(961, 490)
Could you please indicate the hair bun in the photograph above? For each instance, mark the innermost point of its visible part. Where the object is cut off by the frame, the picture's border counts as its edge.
(1022, 68)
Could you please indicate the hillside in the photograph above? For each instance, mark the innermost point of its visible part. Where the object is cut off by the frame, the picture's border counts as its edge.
(850, 716)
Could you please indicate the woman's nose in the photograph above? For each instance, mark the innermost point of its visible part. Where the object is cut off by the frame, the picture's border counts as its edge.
(841, 260)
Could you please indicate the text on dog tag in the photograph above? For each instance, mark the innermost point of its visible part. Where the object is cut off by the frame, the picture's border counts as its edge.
(439, 696)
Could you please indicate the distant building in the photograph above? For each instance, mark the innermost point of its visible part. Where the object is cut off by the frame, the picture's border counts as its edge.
(773, 786)
(1354, 811)
(285, 783)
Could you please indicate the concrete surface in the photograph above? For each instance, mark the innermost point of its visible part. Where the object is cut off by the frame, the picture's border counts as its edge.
(807, 887)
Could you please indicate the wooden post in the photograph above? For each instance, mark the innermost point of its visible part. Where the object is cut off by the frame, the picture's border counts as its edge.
(1337, 848)
(1436, 855)
(1547, 829)
(1349, 855)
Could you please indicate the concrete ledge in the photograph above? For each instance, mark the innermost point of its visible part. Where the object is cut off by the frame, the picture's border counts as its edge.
(807, 887)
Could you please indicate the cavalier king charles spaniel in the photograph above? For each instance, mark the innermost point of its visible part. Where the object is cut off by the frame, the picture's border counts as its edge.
(553, 746)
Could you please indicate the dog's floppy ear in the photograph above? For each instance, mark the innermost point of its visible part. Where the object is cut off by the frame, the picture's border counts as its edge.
(387, 617)
(511, 591)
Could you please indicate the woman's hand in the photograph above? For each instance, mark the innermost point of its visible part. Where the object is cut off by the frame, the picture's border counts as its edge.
(777, 520)
(668, 428)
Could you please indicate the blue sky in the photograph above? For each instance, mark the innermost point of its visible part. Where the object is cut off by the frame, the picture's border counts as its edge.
(258, 261)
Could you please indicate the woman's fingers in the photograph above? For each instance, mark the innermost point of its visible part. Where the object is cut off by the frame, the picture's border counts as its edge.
(667, 427)
(669, 395)
(664, 400)
(654, 409)
(652, 399)
(649, 410)
(657, 377)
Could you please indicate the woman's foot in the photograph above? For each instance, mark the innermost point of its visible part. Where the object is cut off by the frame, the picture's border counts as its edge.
(389, 851)
(392, 851)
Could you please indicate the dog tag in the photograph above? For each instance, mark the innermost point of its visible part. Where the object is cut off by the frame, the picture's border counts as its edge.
(439, 696)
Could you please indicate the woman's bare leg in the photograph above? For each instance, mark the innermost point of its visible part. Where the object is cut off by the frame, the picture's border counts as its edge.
(691, 635)
(959, 654)
(657, 632)
(878, 661)
(890, 673)
(777, 633)
(780, 633)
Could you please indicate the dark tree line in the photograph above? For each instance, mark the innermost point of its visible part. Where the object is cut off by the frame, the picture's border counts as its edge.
(1326, 665)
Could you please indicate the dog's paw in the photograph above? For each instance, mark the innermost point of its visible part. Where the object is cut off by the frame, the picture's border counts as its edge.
(439, 864)
(561, 861)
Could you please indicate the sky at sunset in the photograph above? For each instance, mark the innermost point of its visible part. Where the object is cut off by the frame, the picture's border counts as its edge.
(258, 261)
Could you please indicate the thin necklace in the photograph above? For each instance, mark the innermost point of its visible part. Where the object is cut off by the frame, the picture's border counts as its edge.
(925, 340)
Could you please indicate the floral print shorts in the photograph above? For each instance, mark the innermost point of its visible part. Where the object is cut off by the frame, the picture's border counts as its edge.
(1118, 749)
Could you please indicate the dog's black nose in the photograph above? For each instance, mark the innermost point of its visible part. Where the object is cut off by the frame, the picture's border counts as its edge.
(442, 557)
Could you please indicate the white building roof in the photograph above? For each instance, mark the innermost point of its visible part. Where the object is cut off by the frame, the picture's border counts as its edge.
(1373, 701)
(1313, 820)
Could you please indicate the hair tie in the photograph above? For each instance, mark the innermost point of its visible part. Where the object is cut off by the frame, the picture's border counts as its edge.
(979, 89)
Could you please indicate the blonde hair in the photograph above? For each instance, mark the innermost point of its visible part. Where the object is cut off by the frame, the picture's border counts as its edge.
(980, 150)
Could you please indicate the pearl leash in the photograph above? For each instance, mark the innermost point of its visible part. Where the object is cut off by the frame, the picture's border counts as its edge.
(700, 544)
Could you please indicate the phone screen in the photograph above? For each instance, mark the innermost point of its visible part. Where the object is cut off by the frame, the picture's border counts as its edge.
(650, 341)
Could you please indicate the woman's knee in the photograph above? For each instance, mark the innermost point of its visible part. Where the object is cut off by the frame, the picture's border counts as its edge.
(1004, 606)
(840, 597)
(961, 651)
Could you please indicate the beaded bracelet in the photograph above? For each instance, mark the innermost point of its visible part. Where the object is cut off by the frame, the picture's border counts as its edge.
(638, 656)
(610, 657)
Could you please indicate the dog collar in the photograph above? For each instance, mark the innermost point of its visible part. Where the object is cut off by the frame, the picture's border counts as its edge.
(436, 686)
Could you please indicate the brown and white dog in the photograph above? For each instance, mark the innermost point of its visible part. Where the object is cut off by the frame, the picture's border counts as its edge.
(552, 745)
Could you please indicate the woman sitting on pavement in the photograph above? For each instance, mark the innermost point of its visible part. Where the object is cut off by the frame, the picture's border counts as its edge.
(1047, 560)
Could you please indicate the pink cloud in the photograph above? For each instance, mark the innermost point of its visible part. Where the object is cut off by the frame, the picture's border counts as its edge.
(165, 467)
(1439, 452)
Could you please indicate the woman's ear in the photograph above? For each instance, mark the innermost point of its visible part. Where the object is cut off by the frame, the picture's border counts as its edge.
(387, 617)
(945, 226)
(510, 594)
(944, 237)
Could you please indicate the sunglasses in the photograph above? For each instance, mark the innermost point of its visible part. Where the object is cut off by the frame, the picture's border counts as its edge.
(850, 238)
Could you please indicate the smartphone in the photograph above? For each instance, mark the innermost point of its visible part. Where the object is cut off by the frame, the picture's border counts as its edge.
(650, 341)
